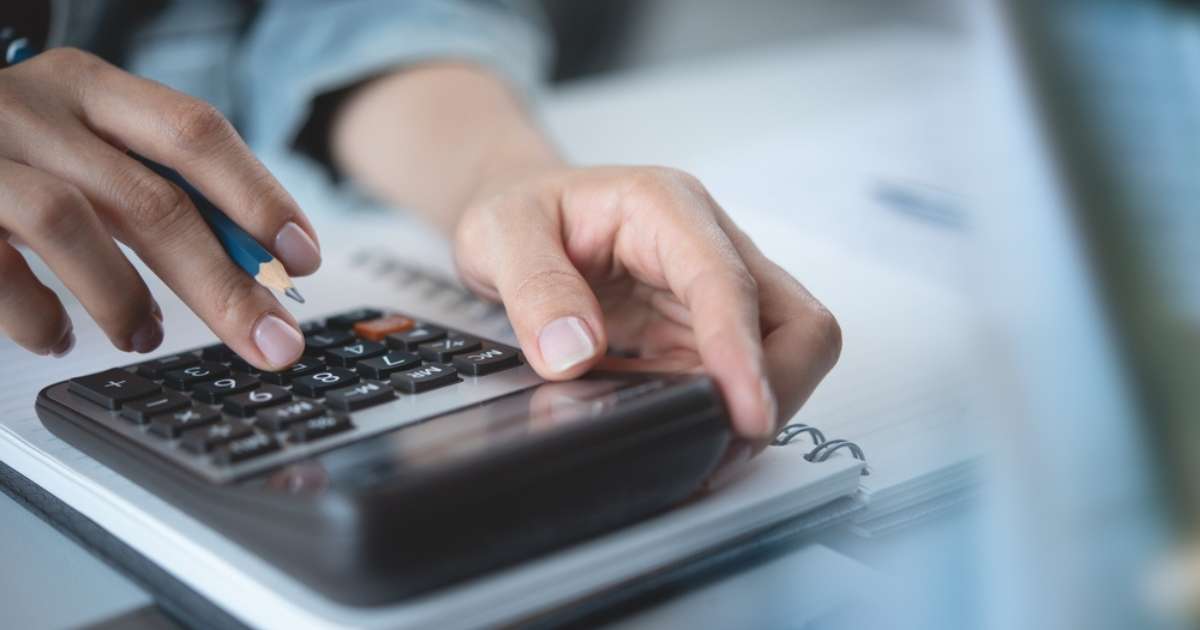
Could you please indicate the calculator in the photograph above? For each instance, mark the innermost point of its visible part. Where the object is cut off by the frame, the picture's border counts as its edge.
(397, 455)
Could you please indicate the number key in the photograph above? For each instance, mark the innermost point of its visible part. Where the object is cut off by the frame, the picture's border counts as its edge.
(315, 385)
(246, 403)
(306, 365)
(185, 378)
(349, 354)
(380, 368)
(214, 391)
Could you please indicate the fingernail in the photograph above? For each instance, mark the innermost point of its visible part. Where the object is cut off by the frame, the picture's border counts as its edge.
(147, 337)
(771, 408)
(296, 250)
(64, 345)
(156, 310)
(565, 343)
(278, 341)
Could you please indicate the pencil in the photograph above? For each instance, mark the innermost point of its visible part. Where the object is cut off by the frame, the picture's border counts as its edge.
(246, 252)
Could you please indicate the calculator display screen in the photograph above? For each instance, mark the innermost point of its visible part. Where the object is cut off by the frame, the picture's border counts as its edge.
(462, 433)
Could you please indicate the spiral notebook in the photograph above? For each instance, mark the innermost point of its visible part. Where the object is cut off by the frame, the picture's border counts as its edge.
(805, 484)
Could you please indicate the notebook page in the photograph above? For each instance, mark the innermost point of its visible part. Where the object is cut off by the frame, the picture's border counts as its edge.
(904, 388)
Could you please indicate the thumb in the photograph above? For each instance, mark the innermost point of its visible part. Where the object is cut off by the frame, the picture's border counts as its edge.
(553, 310)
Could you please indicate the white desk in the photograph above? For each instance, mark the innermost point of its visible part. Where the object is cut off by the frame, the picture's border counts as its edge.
(786, 130)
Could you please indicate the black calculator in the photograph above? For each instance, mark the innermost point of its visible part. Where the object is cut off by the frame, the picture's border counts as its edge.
(398, 455)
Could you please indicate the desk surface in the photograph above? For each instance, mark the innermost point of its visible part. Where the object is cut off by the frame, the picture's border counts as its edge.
(678, 116)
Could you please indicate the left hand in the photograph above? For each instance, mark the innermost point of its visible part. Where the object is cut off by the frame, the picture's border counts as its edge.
(643, 260)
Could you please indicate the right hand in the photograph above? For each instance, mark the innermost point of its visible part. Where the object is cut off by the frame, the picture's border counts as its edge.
(67, 189)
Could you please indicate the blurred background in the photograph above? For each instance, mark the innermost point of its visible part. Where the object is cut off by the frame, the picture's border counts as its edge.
(1001, 203)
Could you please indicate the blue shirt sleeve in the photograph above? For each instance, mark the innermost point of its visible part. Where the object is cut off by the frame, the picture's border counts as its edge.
(297, 50)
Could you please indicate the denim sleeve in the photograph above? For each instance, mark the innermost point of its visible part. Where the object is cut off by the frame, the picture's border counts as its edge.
(297, 50)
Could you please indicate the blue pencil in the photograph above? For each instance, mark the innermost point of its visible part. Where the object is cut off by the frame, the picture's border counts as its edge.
(241, 247)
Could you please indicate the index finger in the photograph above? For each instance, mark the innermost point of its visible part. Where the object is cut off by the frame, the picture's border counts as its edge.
(192, 137)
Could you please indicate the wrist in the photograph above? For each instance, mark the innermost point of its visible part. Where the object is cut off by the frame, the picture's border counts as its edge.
(437, 137)
(519, 159)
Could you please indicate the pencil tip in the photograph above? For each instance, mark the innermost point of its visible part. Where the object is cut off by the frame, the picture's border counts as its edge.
(294, 294)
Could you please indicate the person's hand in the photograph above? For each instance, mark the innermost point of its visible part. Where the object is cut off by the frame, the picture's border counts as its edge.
(67, 189)
(643, 261)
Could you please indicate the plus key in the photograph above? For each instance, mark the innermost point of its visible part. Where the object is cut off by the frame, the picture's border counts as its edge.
(112, 388)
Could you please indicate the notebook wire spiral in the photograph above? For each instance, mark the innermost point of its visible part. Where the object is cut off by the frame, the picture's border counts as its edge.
(822, 448)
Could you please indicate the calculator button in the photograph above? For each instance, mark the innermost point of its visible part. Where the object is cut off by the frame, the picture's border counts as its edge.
(349, 319)
(214, 391)
(172, 425)
(377, 329)
(112, 387)
(316, 384)
(217, 352)
(204, 439)
(141, 410)
(244, 448)
(317, 427)
(409, 341)
(359, 396)
(349, 354)
(424, 378)
(278, 418)
(442, 351)
(240, 365)
(154, 368)
(308, 328)
(486, 361)
(306, 365)
(318, 343)
(380, 368)
(246, 403)
(185, 378)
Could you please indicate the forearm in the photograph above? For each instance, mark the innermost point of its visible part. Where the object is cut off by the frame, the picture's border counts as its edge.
(433, 137)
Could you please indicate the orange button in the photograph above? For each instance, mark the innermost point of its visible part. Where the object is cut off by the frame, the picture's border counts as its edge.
(377, 329)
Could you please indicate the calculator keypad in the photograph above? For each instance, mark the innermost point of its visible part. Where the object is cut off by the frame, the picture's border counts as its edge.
(212, 412)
